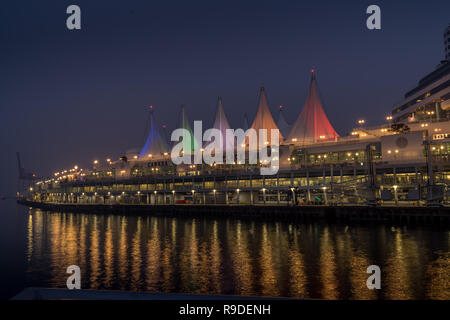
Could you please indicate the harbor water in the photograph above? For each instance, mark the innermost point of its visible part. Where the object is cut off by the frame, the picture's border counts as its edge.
(221, 256)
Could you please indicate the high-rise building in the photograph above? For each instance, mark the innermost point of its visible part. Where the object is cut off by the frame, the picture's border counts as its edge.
(430, 99)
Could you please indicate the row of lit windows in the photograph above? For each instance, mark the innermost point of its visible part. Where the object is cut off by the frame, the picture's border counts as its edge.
(418, 99)
(388, 179)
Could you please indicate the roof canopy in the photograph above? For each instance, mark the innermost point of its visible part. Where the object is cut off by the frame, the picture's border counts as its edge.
(312, 124)
(221, 123)
(155, 144)
(263, 118)
(184, 123)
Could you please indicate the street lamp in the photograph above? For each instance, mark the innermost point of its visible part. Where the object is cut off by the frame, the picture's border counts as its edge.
(395, 194)
(325, 195)
(293, 196)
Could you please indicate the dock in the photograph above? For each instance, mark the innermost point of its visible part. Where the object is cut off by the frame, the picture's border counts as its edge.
(392, 214)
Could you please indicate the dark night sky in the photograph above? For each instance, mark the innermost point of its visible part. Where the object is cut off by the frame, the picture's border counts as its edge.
(69, 97)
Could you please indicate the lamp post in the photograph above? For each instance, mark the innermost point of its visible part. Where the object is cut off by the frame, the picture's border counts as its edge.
(293, 196)
(173, 196)
(395, 195)
(237, 198)
(325, 195)
(215, 200)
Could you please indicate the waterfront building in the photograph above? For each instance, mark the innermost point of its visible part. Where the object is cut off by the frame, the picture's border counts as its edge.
(429, 100)
(405, 160)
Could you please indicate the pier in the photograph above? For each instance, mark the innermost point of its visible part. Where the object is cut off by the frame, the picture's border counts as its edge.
(388, 214)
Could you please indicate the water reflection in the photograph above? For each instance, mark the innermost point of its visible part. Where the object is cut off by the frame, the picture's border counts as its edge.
(237, 257)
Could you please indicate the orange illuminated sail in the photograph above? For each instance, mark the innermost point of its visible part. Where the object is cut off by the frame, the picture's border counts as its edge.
(263, 118)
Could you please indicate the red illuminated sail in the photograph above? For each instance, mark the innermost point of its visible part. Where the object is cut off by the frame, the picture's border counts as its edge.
(312, 124)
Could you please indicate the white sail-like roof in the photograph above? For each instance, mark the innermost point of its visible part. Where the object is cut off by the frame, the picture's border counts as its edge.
(221, 123)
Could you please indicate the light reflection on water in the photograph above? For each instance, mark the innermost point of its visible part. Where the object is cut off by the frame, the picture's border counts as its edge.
(251, 258)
